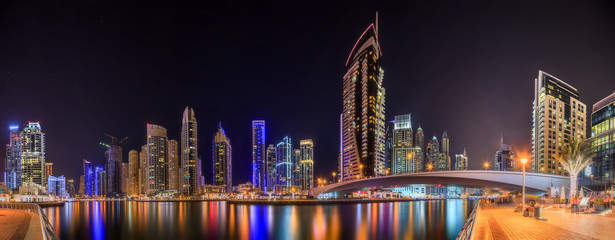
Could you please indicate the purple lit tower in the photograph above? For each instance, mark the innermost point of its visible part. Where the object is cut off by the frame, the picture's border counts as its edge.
(259, 173)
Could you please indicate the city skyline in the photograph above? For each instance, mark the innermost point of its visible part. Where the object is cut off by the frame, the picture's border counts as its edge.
(516, 124)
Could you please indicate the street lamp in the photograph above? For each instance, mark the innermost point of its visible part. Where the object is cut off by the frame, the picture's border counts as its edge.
(486, 165)
(523, 162)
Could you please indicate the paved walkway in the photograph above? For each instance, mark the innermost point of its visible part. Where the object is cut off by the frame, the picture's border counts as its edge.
(14, 224)
(502, 223)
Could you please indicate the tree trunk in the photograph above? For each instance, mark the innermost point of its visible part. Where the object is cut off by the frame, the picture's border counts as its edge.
(573, 185)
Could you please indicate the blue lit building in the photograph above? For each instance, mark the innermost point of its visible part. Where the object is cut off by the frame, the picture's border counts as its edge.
(88, 178)
(12, 174)
(600, 175)
(99, 181)
(284, 165)
(57, 186)
(259, 175)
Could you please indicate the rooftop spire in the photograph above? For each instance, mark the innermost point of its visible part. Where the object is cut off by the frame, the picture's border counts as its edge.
(376, 25)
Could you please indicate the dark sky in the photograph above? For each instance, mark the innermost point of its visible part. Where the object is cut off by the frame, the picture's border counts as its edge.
(85, 68)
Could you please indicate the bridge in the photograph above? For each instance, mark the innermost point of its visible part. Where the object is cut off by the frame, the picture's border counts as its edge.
(535, 183)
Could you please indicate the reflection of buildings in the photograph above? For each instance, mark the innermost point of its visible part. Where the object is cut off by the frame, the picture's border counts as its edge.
(259, 175)
(222, 156)
(558, 114)
(363, 131)
(461, 161)
(601, 174)
(505, 158)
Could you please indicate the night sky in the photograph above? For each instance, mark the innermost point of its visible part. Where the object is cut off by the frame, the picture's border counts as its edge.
(84, 69)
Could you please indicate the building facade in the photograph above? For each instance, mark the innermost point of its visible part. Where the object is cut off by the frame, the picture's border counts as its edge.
(363, 116)
(306, 164)
(505, 158)
(173, 157)
(461, 161)
(113, 157)
(402, 154)
(88, 179)
(157, 169)
(222, 156)
(259, 175)
(33, 154)
(600, 175)
(284, 164)
(12, 173)
(433, 154)
(190, 177)
(557, 115)
(143, 169)
(444, 161)
(57, 186)
(271, 167)
(48, 171)
(133, 173)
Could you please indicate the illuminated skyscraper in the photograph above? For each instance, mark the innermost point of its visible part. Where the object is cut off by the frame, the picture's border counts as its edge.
(402, 153)
(157, 168)
(433, 154)
(48, 171)
(189, 155)
(133, 172)
(284, 170)
(57, 186)
(444, 159)
(143, 169)
(558, 114)
(505, 158)
(124, 178)
(113, 157)
(222, 160)
(33, 154)
(419, 150)
(363, 116)
(88, 179)
(259, 175)
(12, 174)
(461, 161)
(271, 164)
(306, 164)
(600, 174)
(296, 168)
(100, 181)
(173, 157)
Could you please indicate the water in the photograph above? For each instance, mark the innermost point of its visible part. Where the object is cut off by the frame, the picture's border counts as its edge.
(435, 219)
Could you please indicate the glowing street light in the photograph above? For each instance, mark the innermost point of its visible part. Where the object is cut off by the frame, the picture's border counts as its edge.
(430, 167)
(486, 165)
(523, 162)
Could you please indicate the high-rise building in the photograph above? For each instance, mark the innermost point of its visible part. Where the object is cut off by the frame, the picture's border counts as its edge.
(70, 187)
(444, 161)
(143, 169)
(124, 178)
(133, 172)
(57, 186)
(12, 174)
(82, 185)
(433, 154)
(402, 145)
(222, 159)
(48, 171)
(173, 157)
(416, 159)
(189, 155)
(113, 164)
(419, 150)
(33, 154)
(600, 174)
(157, 168)
(259, 176)
(558, 114)
(390, 126)
(504, 158)
(284, 172)
(296, 167)
(271, 165)
(363, 116)
(306, 164)
(88, 179)
(461, 161)
(100, 181)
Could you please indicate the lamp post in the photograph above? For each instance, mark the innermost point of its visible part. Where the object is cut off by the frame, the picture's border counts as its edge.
(523, 162)
(486, 165)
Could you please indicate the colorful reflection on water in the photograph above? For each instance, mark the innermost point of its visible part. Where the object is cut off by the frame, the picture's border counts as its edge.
(434, 219)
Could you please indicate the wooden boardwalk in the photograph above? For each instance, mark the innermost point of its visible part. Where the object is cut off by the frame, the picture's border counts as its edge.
(14, 224)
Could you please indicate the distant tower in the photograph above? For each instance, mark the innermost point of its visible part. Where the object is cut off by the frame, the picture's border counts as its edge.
(504, 157)
(402, 153)
(189, 153)
(296, 168)
(259, 174)
(419, 150)
(363, 116)
(174, 166)
(33, 154)
(433, 154)
(48, 171)
(133, 172)
(12, 174)
(222, 159)
(306, 164)
(271, 165)
(461, 161)
(284, 163)
(444, 163)
(143, 169)
(157, 169)
(113, 157)
(88, 179)
(100, 181)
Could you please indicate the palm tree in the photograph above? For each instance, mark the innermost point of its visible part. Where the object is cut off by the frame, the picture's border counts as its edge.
(575, 155)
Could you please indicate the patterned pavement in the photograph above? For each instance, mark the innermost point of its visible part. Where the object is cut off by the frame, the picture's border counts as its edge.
(13, 224)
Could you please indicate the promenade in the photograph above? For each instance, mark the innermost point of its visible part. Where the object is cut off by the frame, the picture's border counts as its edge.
(501, 222)
(18, 225)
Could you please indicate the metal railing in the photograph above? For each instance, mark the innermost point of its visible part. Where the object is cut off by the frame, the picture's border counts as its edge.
(47, 230)
(466, 231)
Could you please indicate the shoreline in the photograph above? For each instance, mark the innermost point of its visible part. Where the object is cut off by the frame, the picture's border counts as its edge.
(295, 202)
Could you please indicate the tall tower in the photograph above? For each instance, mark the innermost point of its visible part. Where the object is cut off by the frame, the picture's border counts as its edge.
(88, 179)
(433, 154)
(602, 130)
(133, 172)
(33, 154)
(259, 175)
(306, 164)
(284, 172)
(461, 161)
(296, 168)
(504, 157)
(222, 159)
(419, 163)
(173, 157)
(363, 116)
(402, 145)
(444, 163)
(12, 174)
(189, 154)
(157, 169)
(143, 169)
(113, 157)
(271, 164)
(558, 114)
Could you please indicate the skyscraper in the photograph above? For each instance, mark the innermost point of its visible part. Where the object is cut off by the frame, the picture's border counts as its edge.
(306, 164)
(433, 154)
(70, 187)
(143, 169)
(402, 145)
(12, 174)
(113, 157)
(363, 116)
(33, 154)
(189, 154)
(419, 150)
(100, 181)
(296, 167)
(57, 186)
(602, 138)
(558, 114)
(271, 164)
(173, 157)
(222, 159)
(133, 172)
(259, 176)
(504, 158)
(157, 169)
(461, 161)
(124, 178)
(444, 163)
(88, 179)
(48, 171)
(284, 172)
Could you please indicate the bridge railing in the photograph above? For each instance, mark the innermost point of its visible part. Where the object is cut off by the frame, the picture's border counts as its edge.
(47, 230)
(466, 231)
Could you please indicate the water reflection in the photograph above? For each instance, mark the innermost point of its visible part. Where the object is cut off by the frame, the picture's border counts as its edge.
(435, 219)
